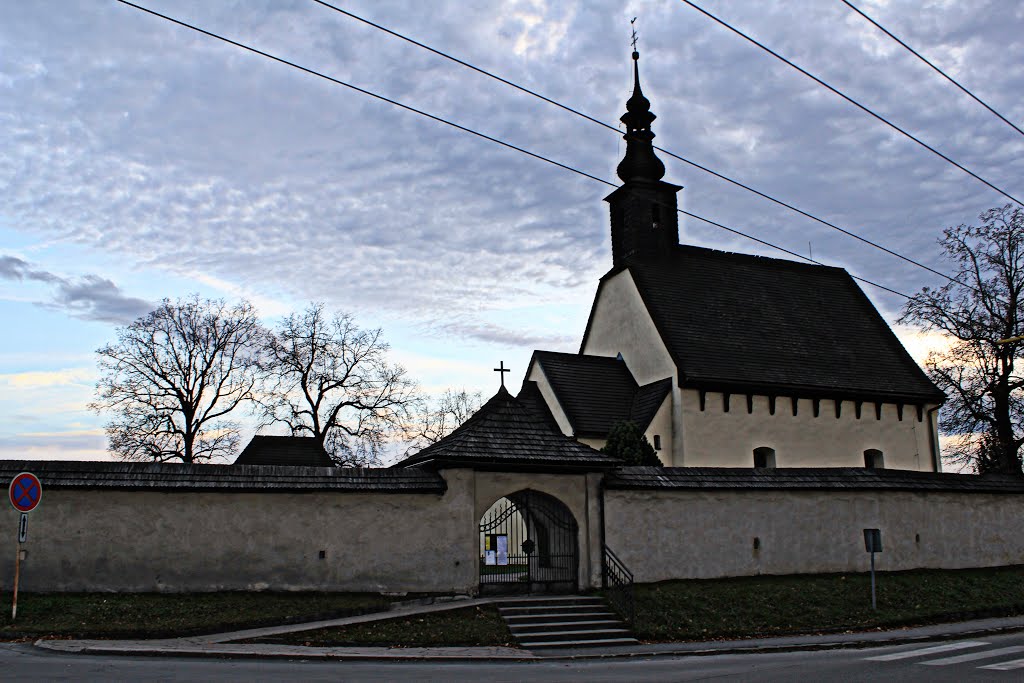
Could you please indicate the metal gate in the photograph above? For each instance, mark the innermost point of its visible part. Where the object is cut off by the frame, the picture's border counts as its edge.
(528, 543)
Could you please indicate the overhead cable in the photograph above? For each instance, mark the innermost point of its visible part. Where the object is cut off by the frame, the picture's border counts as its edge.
(476, 133)
(592, 119)
(852, 101)
(937, 69)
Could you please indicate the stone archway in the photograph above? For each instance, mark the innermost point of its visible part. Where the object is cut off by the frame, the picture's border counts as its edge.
(529, 542)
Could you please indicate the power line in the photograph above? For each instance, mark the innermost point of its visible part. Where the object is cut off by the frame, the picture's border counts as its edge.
(592, 119)
(471, 131)
(852, 101)
(937, 69)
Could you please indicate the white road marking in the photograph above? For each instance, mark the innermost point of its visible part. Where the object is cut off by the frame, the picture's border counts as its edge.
(935, 649)
(1005, 666)
(972, 656)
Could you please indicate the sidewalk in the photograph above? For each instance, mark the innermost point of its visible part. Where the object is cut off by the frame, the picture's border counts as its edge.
(226, 645)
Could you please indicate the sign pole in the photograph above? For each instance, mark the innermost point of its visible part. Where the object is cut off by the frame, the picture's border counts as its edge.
(24, 493)
(874, 605)
(17, 573)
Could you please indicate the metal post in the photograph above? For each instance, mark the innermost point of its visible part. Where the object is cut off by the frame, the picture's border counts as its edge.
(873, 604)
(17, 572)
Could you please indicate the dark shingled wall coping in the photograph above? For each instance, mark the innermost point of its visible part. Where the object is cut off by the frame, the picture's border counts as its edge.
(826, 478)
(67, 474)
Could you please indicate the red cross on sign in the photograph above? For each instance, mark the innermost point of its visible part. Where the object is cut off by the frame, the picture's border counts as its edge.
(25, 492)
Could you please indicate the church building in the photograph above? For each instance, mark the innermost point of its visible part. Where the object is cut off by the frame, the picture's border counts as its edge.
(732, 360)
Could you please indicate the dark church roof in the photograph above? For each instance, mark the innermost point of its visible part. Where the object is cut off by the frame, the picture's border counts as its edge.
(798, 478)
(302, 451)
(135, 476)
(735, 322)
(595, 392)
(511, 432)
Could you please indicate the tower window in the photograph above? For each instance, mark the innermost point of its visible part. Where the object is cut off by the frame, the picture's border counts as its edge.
(657, 442)
(655, 216)
(873, 459)
(764, 457)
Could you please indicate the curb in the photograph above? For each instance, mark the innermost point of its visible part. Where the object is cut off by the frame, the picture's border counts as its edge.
(227, 651)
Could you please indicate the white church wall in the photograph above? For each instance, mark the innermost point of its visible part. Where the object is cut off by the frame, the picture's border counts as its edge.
(716, 438)
(664, 535)
(103, 539)
(621, 324)
(661, 426)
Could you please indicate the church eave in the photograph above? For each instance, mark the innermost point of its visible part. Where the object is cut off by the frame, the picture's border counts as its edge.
(807, 391)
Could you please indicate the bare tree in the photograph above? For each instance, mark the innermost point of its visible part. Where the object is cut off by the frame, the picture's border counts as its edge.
(173, 375)
(327, 378)
(434, 420)
(981, 313)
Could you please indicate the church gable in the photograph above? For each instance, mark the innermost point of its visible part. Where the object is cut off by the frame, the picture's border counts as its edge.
(621, 324)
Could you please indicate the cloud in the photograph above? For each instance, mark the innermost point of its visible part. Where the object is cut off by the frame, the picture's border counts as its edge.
(48, 378)
(89, 297)
(496, 334)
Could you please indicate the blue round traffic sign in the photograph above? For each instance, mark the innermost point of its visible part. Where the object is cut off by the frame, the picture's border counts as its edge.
(26, 491)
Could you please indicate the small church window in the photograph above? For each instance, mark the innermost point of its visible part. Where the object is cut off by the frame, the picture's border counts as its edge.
(657, 442)
(764, 457)
(873, 459)
(655, 216)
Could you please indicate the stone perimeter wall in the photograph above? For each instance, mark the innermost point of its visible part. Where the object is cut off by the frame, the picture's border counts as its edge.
(115, 540)
(108, 540)
(689, 534)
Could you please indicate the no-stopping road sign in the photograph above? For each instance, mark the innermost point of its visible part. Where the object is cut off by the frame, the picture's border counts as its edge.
(26, 491)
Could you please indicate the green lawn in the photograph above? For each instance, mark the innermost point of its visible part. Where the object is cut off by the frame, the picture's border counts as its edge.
(154, 615)
(771, 605)
(466, 626)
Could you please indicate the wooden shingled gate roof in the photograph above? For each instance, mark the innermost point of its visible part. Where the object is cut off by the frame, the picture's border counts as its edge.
(515, 433)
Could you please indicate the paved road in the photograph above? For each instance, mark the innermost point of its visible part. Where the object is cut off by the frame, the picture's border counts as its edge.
(993, 658)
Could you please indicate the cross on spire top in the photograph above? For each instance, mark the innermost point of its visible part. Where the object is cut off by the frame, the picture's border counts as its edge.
(632, 25)
(502, 369)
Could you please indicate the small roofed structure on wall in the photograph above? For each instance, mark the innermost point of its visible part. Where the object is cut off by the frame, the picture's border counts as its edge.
(512, 433)
(298, 451)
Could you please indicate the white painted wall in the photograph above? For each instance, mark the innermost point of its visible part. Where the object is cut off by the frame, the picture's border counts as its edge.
(715, 438)
(693, 534)
(661, 425)
(621, 324)
(106, 539)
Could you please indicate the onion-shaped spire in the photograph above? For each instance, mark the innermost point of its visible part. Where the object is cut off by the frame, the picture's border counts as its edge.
(640, 162)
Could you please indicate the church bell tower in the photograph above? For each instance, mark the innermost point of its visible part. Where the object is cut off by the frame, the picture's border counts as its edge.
(645, 223)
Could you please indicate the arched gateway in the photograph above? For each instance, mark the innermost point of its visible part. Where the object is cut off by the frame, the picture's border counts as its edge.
(529, 542)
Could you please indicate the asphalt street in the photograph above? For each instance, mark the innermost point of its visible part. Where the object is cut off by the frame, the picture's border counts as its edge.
(986, 658)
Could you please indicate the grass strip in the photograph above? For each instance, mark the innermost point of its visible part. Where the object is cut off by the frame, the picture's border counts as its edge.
(467, 626)
(163, 615)
(778, 605)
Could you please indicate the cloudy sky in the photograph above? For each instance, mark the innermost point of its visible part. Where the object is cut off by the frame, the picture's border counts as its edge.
(140, 160)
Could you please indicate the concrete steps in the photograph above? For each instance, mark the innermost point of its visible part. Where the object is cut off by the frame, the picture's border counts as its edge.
(564, 621)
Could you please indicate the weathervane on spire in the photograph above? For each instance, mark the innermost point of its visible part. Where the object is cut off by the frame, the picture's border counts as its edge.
(632, 25)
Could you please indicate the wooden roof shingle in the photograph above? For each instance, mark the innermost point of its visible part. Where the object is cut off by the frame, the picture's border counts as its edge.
(595, 392)
(511, 432)
(824, 478)
(74, 474)
(743, 323)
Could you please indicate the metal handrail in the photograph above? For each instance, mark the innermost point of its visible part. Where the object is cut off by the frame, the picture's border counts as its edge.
(618, 585)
